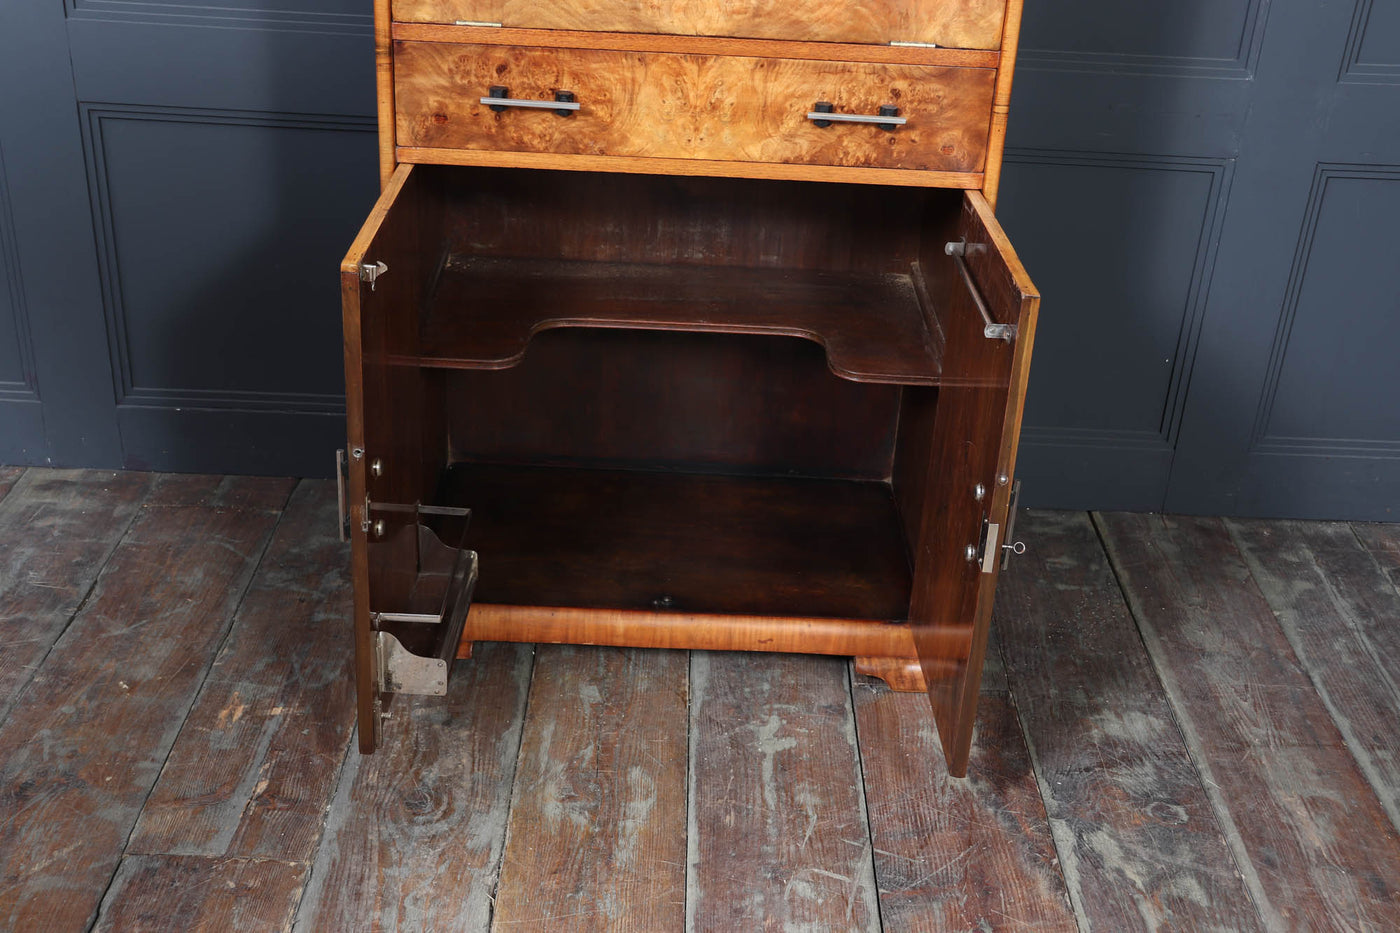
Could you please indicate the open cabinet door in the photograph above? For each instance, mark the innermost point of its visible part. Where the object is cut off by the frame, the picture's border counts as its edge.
(986, 307)
(413, 581)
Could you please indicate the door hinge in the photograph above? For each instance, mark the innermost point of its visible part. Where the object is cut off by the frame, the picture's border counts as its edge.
(342, 494)
(914, 45)
(475, 22)
(1015, 547)
(370, 272)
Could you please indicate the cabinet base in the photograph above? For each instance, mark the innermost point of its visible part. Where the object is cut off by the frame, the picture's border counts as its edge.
(881, 649)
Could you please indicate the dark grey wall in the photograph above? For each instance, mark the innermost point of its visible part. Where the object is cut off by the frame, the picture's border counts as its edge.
(1205, 192)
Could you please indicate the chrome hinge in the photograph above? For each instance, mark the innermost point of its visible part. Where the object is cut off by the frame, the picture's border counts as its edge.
(475, 22)
(914, 45)
(991, 545)
(1015, 547)
(370, 272)
(342, 494)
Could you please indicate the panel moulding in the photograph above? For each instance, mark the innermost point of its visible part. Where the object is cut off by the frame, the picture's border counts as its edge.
(25, 389)
(1356, 71)
(1262, 442)
(221, 17)
(1221, 172)
(126, 393)
(1240, 67)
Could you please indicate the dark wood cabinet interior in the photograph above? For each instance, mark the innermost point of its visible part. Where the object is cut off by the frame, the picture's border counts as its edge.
(660, 409)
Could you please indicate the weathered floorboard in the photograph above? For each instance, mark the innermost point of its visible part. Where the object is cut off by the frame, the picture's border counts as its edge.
(415, 831)
(157, 894)
(1342, 616)
(9, 475)
(1383, 541)
(79, 755)
(255, 764)
(221, 492)
(1138, 841)
(778, 837)
(596, 839)
(58, 528)
(964, 854)
(1316, 837)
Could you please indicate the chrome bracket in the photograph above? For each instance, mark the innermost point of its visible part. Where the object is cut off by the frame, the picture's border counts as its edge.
(402, 671)
(370, 272)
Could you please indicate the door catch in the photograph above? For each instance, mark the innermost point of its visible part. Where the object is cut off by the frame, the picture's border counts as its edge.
(370, 272)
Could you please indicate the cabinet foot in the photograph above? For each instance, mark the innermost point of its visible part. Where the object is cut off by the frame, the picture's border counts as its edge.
(902, 674)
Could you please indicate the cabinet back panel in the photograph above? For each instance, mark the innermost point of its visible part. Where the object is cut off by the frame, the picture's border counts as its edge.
(692, 221)
(662, 400)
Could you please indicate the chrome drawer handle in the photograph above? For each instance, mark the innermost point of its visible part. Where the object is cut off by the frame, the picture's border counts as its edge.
(887, 119)
(499, 99)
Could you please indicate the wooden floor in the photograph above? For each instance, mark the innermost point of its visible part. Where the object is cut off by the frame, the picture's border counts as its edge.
(1187, 724)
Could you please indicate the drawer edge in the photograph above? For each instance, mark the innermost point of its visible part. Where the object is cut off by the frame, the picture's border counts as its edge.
(702, 45)
(641, 165)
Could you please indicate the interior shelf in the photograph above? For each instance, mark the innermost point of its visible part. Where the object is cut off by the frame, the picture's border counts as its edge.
(693, 543)
(484, 311)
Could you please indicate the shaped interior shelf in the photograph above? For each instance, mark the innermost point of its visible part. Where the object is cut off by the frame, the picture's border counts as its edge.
(485, 310)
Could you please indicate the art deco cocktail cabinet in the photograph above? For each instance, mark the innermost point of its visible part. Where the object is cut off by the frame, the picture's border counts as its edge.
(688, 325)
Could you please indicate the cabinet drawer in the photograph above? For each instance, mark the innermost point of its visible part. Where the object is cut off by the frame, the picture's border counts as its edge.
(692, 106)
(959, 24)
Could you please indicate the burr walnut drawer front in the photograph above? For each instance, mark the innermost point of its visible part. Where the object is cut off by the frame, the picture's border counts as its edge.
(958, 24)
(665, 105)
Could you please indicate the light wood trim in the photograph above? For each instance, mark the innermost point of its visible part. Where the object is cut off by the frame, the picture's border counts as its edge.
(384, 88)
(637, 165)
(1001, 100)
(903, 675)
(700, 45)
(637, 629)
(356, 254)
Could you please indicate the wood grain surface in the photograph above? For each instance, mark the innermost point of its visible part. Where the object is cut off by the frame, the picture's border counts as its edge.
(629, 539)
(159, 893)
(956, 854)
(109, 698)
(1341, 613)
(1309, 828)
(705, 632)
(973, 24)
(675, 106)
(597, 835)
(58, 528)
(1137, 837)
(415, 831)
(221, 492)
(254, 766)
(775, 781)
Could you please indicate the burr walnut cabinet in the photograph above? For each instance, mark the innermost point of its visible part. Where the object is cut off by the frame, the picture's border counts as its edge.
(685, 325)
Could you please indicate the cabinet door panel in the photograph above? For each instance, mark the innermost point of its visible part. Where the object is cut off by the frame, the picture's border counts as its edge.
(392, 468)
(963, 471)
